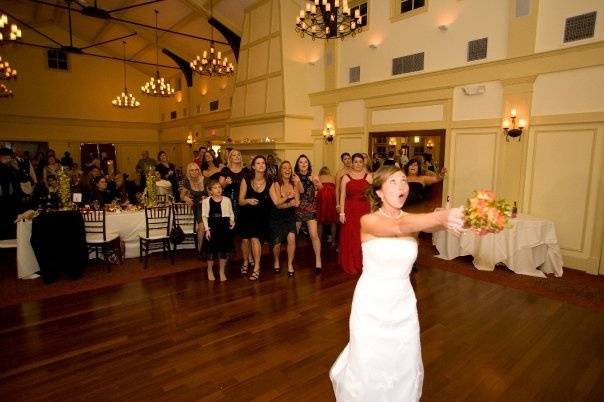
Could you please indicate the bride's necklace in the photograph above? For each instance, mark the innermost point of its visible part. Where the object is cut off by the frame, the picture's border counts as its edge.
(400, 213)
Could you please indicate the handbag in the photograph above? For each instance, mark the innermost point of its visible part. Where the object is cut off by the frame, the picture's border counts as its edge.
(177, 235)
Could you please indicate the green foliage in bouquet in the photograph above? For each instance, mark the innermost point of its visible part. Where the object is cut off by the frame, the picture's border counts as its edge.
(64, 188)
(150, 188)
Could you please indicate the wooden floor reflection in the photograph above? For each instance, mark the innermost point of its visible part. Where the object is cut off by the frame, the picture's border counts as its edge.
(182, 338)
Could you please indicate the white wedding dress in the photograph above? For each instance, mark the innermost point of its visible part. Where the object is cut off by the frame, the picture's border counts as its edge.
(382, 361)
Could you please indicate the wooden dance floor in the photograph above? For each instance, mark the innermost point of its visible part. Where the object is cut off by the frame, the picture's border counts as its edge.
(181, 338)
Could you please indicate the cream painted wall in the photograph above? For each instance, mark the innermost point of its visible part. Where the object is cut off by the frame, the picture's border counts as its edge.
(302, 63)
(563, 183)
(473, 162)
(574, 91)
(351, 114)
(83, 92)
(407, 114)
(482, 106)
(552, 17)
(467, 20)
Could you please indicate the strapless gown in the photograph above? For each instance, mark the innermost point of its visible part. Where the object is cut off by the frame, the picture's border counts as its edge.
(382, 361)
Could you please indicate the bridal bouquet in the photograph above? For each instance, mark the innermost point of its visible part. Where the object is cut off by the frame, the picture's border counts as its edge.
(485, 214)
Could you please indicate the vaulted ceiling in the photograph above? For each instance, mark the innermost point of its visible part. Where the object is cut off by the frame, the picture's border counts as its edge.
(51, 18)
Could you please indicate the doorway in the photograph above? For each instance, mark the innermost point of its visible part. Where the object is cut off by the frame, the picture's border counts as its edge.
(427, 147)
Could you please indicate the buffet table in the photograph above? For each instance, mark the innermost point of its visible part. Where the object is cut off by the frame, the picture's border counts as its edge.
(528, 247)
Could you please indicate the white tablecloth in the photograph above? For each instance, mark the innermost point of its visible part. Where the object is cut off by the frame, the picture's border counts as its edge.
(128, 225)
(529, 247)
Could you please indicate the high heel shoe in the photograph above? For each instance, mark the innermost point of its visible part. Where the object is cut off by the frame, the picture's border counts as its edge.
(291, 273)
(254, 276)
(244, 269)
(276, 270)
(318, 270)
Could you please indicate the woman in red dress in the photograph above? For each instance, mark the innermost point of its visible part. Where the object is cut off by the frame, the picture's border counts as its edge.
(326, 204)
(353, 205)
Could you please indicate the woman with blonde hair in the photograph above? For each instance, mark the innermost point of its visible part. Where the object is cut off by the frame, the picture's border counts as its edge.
(192, 192)
(382, 361)
(282, 221)
(231, 177)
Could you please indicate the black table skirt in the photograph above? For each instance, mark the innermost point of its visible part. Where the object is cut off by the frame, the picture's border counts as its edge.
(58, 239)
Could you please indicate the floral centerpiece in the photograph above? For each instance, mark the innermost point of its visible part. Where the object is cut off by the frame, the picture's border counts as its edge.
(485, 214)
(150, 188)
(64, 188)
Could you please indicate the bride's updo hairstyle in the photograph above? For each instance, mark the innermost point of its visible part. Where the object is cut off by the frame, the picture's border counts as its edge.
(379, 178)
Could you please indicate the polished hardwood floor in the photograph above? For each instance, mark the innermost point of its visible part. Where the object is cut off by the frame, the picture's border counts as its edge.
(182, 338)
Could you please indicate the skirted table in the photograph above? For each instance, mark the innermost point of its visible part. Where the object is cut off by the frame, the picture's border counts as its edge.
(528, 247)
(128, 225)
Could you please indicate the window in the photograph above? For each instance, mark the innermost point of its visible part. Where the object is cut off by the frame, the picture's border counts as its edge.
(580, 27)
(57, 59)
(410, 5)
(213, 106)
(354, 74)
(477, 49)
(362, 7)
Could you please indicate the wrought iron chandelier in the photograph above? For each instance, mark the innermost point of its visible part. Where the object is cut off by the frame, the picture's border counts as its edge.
(6, 71)
(8, 33)
(328, 19)
(157, 86)
(125, 99)
(212, 64)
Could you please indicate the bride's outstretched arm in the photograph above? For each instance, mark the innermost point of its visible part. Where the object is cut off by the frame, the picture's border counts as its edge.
(380, 226)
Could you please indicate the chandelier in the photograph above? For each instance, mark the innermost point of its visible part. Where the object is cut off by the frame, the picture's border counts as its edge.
(328, 19)
(125, 99)
(212, 63)
(12, 33)
(5, 92)
(6, 71)
(157, 86)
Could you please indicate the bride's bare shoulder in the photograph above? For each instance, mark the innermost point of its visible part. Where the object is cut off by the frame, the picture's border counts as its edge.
(370, 220)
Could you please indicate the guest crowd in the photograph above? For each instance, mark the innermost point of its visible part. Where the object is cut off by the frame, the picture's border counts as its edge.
(267, 201)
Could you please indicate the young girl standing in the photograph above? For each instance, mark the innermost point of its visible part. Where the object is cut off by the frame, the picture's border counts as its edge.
(218, 221)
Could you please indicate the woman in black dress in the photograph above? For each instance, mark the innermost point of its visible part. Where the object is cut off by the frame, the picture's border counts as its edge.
(255, 203)
(282, 222)
(233, 174)
(167, 171)
(307, 211)
(211, 167)
(192, 192)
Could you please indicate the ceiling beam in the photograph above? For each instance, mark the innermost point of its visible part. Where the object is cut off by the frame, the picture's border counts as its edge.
(107, 23)
(202, 8)
(150, 38)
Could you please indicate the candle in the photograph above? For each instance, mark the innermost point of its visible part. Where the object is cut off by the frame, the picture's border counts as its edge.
(521, 123)
(506, 124)
(513, 112)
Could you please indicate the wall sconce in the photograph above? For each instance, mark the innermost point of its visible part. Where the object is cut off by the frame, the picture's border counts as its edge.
(373, 46)
(511, 130)
(416, 139)
(328, 133)
(443, 28)
(191, 139)
(430, 144)
(392, 141)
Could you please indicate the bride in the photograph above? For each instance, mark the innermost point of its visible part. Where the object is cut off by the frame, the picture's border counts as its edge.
(382, 361)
